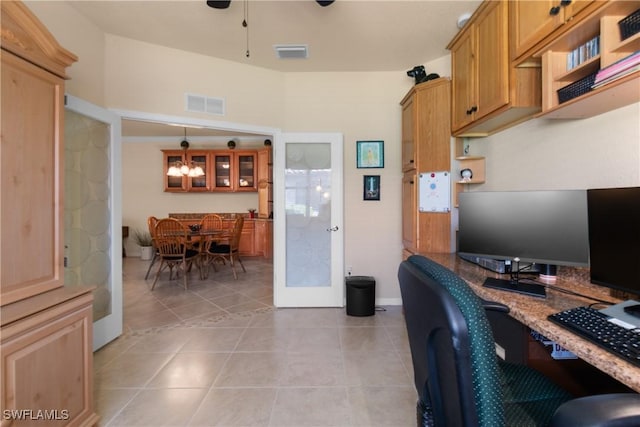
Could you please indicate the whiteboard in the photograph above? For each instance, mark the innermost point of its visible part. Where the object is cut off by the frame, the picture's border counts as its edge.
(434, 192)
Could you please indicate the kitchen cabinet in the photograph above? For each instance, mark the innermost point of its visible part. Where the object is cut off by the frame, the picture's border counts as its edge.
(488, 92)
(583, 100)
(534, 20)
(225, 170)
(426, 146)
(46, 328)
(265, 183)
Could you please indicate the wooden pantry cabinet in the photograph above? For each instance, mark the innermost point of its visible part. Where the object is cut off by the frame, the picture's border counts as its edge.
(426, 147)
(488, 92)
(46, 328)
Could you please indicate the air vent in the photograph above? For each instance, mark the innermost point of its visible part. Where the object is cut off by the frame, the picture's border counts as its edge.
(291, 51)
(204, 104)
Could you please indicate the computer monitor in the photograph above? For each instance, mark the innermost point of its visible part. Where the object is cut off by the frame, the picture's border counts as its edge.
(544, 227)
(614, 237)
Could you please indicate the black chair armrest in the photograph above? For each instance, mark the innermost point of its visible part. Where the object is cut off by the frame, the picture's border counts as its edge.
(605, 410)
(494, 306)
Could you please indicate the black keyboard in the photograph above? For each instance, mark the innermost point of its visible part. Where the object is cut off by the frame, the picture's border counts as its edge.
(594, 326)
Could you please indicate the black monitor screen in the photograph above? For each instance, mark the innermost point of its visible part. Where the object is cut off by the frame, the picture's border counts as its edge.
(546, 227)
(614, 237)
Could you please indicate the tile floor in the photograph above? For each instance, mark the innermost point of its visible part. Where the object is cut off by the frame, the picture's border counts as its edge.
(220, 354)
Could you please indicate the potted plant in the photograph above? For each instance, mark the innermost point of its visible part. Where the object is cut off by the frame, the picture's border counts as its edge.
(143, 239)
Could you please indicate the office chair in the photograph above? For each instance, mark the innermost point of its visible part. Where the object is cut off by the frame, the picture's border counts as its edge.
(458, 377)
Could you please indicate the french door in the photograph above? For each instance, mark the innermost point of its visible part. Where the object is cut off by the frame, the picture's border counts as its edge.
(308, 218)
(93, 212)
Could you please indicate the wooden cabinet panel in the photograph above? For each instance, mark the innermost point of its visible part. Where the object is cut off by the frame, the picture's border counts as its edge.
(408, 132)
(47, 362)
(489, 92)
(534, 20)
(429, 104)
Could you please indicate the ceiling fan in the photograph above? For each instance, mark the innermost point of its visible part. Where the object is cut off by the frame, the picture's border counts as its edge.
(223, 4)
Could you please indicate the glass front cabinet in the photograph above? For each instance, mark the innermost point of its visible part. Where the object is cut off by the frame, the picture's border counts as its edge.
(224, 171)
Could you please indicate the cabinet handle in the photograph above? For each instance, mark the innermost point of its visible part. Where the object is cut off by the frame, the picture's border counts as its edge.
(554, 10)
(411, 182)
(564, 3)
(411, 161)
(472, 110)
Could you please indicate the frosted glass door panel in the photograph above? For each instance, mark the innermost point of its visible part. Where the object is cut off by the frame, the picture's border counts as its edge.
(308, 214)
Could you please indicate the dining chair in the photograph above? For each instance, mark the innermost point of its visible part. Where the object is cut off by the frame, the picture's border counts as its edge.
(229, 251)
(152, 221)
(172, 241)
(209, 223)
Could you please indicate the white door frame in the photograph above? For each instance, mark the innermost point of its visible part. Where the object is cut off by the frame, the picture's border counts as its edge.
(330, 296)
(109, 327)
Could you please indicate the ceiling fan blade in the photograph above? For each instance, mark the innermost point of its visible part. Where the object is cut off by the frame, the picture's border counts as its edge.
(324, 3)
(218, 4)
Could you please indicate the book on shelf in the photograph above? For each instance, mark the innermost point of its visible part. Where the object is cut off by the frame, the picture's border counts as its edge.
(614, 77)
(618, 67)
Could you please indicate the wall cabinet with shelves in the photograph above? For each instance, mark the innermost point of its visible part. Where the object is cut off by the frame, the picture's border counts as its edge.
(582, 100)
(532, 21)
(488, 92)
(476, 166)
(225, 170)
(265, 183)
(426, 146)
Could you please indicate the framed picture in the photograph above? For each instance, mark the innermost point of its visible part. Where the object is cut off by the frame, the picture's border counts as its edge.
(371, 188)
(370, 154)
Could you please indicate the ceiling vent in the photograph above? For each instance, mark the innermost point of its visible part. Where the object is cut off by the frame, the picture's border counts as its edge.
(204, 104)
(291, 51)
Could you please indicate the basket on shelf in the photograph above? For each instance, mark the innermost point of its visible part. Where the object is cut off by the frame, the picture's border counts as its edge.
(630, 25)
(577, 88)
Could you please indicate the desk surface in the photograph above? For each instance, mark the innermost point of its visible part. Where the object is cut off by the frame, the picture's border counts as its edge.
(533, 312)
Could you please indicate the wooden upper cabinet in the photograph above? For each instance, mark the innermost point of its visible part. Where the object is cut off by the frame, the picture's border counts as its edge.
(408, 131)
(488, 92)
(31, 225)
(533, 20)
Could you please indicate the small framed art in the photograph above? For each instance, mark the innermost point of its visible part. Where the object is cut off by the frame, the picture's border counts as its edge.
(370, 154)
(371, 187)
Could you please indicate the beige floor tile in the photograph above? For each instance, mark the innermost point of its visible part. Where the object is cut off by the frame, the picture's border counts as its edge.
(319, 407)
(381, 368)
(160, 407)
(313, 369)
(383, 406)
(196, 308)
(235, 407)
(252, 369)
(364, 339)
(162, 341)
(190, 370)
(265, 339)
(162, 317)
(213, 339)
(314, 340)
(109, 401)
(131, 370)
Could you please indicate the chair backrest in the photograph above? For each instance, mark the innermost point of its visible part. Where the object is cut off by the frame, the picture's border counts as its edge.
(152, 221)
(211, 222)
(171, 237)
(236, 233)
(455, 366)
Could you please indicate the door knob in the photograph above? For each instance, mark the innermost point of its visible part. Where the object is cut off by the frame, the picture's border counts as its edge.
(333, 228)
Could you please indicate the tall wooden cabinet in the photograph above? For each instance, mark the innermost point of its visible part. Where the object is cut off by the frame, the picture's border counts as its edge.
(46, 328)
(426, 146)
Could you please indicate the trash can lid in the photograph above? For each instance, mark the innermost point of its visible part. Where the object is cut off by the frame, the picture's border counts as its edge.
(359, 278)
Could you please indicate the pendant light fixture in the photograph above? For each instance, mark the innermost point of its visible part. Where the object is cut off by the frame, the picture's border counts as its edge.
(183, 167)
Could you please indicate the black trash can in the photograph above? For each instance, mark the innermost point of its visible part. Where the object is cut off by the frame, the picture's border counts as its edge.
(361, 295)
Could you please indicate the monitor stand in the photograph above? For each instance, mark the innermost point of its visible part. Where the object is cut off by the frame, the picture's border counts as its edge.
(515, 285)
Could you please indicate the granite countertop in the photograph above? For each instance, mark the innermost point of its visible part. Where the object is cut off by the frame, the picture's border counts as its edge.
(533, 312)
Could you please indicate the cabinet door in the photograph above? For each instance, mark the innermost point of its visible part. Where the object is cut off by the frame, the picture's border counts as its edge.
(31, 174)
(173, 183)
(463, 80)
(201, 183)
(408, 135)
(221, 164)
(409, 210)
(492, 59)
(245, 169)
(531, 21)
